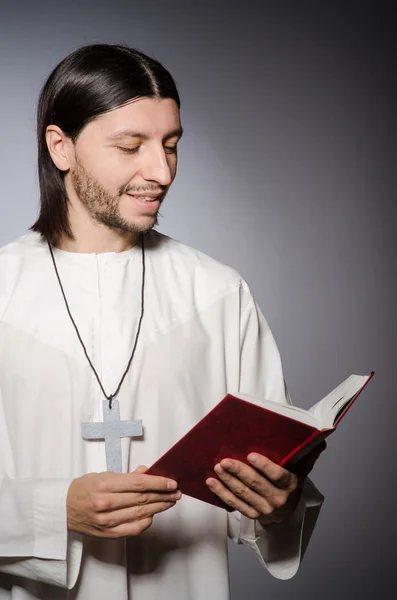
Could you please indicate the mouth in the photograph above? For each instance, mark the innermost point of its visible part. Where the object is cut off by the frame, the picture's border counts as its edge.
(147, 203)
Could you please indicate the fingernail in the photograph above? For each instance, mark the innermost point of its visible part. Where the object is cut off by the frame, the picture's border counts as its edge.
(172, 485)
(218, 469)
(177, 495)
(253, 458)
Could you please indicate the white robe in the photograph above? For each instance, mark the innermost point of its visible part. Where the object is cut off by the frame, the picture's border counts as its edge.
(202, 336)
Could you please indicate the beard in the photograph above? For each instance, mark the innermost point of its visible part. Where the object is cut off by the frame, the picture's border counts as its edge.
(101, 205)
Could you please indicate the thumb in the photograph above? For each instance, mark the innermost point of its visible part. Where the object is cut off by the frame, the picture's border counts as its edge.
(141, 469)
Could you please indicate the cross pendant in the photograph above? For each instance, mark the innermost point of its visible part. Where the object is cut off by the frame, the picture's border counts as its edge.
(112, 430)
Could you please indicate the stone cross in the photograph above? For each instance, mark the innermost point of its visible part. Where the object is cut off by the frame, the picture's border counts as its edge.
(111, 429)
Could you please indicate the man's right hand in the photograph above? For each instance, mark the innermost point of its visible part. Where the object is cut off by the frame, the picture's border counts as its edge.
(111, 505)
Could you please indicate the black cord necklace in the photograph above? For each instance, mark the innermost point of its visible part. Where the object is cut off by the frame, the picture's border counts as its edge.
(109, 398)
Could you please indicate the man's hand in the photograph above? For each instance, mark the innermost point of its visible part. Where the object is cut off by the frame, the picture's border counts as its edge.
(114, 505)
(265, 491)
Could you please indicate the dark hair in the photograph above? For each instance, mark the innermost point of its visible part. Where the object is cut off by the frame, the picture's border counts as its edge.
(89, 82)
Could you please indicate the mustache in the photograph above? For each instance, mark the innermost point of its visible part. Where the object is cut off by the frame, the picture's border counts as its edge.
(142, 190)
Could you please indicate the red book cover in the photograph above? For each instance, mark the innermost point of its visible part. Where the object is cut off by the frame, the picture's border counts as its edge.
(233, 429)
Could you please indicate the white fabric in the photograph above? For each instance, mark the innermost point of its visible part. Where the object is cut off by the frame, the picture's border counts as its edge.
(202, 336)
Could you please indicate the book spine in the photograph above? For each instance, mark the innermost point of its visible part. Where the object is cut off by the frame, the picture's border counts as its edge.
(310, 442)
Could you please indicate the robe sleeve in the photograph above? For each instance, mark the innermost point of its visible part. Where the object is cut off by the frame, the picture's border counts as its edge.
(279, 547)
(34, 541)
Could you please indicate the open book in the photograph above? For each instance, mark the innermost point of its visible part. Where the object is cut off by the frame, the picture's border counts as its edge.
(238, 425)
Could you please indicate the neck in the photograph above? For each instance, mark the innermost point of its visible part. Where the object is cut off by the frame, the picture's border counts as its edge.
(94, 238)
(99, 245)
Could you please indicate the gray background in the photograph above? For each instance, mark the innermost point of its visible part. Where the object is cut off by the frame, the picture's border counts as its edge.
(287, 172)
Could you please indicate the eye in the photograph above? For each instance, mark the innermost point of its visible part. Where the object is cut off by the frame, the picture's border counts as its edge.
(171, 149)
(168, 149)
(128, 150)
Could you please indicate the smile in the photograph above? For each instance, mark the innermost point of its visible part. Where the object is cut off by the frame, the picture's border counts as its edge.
(148, 203)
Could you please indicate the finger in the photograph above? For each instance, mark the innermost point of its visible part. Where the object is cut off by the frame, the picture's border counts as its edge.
(264, 467)
(116, 501)
(278, 475)
(218, 488)
(247, 475)
(140, 469)
(126, 529)
(135, 482)
(129, 515)
(260, 493)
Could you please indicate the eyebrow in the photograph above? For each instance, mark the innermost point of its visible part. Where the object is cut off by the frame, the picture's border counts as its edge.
(178, 132)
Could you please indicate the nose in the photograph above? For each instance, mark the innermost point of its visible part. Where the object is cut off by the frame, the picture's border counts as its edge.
(156, 167)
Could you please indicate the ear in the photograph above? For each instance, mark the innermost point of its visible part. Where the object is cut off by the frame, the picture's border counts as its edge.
(60, 147)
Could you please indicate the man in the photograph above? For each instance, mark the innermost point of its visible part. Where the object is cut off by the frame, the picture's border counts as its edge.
(99, 314)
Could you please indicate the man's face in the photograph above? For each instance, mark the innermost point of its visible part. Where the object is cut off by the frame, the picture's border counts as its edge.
(123, 156)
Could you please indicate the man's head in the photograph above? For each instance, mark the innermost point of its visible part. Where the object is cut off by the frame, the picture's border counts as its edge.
(107, 125)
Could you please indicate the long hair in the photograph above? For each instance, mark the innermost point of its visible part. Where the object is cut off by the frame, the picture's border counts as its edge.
(89, 82)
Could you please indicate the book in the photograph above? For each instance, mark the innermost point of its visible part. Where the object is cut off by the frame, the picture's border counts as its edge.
(238, 425)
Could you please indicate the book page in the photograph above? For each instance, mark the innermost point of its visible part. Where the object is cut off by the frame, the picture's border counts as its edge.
(329, 408)
(293, 412)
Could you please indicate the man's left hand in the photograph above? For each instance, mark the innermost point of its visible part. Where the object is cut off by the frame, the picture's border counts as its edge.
(265, 491)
